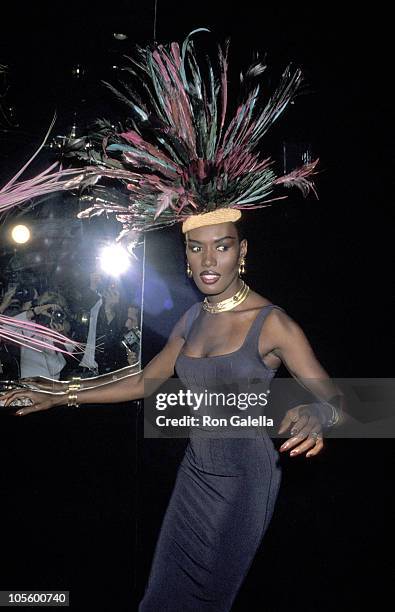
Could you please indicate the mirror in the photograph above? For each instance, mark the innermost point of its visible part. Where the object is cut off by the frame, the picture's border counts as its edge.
(73, 277)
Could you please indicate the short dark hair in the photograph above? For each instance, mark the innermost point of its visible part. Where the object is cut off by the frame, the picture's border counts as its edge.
(241, 228)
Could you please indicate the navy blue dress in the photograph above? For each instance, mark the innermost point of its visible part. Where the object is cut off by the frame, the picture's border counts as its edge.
(223, 498)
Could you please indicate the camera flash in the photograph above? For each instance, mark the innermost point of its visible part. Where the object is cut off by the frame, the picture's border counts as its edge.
(20, 234)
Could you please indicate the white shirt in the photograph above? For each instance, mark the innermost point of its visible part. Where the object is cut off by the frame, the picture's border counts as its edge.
(88, 360)
(39, 363)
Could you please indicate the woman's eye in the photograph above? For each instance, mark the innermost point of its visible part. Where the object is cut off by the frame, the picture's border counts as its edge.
(223, 247)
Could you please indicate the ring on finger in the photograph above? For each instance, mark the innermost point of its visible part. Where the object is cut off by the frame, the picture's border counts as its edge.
(315, 435)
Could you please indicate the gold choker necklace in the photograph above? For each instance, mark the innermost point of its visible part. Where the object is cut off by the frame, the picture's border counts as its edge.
(229, 303)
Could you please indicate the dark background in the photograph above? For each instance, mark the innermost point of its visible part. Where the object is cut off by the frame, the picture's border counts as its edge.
(73, 483)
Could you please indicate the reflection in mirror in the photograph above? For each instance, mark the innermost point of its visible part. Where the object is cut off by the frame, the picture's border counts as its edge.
(71, 276)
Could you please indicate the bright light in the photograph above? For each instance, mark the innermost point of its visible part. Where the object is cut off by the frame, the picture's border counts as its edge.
(120, 36)
(114, 260)
(20, 234)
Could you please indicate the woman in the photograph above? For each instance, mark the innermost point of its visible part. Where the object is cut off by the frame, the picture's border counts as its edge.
(194, 168)
(226, 488)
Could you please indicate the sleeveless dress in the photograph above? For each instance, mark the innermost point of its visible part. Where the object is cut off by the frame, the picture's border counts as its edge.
(223, 498)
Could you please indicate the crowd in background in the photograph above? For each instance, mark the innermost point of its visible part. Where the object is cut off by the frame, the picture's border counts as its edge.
(106, 323)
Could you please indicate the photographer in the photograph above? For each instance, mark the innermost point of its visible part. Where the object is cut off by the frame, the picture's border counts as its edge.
(107, 349)
(49, 310)
(13, 302)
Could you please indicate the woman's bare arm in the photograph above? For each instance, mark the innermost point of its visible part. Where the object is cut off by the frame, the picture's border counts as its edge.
(96, 381)
(43, 383)
(286, 339)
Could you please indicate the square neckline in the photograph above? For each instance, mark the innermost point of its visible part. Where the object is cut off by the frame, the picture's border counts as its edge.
(182, 354)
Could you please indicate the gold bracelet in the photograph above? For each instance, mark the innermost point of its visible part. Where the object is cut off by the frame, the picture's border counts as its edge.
(75, 384)
(72, 400)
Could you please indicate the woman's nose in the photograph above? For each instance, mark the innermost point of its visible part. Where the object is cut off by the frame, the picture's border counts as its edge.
(208, 259)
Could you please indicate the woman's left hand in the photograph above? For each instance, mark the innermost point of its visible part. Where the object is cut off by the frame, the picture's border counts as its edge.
(306, 431)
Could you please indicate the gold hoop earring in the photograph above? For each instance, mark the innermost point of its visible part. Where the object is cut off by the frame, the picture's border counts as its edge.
(242, 268)
(189, 271)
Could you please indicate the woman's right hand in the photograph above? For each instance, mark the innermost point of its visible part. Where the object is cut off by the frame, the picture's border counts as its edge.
(40, 400)
(46, 384)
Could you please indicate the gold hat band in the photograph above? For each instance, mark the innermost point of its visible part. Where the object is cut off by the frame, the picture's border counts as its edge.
(221, 215)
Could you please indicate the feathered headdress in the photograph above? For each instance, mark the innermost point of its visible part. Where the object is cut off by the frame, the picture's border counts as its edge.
(183, 156)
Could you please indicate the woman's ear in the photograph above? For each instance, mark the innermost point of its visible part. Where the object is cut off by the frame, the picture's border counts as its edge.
(243, 247)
